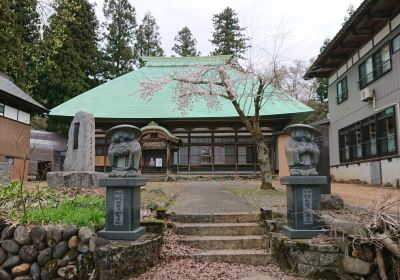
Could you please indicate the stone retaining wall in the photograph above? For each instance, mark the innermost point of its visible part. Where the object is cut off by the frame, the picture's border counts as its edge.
(302, 257)
(316, 259)
(51, 252)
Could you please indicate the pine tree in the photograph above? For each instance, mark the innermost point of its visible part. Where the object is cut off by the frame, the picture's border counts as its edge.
(120, 31)
(228, 37)
(185, 43)
(20, 37)
(148, 40)
(70, 65)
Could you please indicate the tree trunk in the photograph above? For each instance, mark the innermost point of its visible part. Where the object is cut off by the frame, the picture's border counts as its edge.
(265, 164)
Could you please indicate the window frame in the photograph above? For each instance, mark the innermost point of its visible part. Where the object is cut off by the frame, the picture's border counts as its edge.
(375, 67)
(374, 121)
(392, 45)
(344, 94)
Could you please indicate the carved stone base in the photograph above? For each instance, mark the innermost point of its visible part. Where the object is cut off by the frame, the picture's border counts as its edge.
(122, 235)
(302, 233)
(77, 179)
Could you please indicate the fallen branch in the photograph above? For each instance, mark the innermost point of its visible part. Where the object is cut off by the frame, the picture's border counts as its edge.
(389, 243)
(381, 264)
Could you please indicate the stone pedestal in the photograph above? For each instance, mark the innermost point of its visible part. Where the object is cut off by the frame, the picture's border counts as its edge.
(303, 196)
(76, 179)
(123, 208)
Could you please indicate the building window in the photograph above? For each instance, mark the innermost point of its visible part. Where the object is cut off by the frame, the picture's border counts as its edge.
(341, 91)
(368, 135)
(396, 44)
(200, 140)
(224, 155)
(183, 155)
(200, 155)
(246, 155)
(369, 138)
(100, 151)
(386, 131)
(1, 109)
(375, 66)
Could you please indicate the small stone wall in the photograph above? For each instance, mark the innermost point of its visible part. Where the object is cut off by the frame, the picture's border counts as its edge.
(51, 252)
(120, 259)
(302, 257)
(335, 258)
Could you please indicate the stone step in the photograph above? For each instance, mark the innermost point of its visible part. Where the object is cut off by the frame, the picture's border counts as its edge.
(218, 229)
(252, 257)
(250, 217)
(225, 242)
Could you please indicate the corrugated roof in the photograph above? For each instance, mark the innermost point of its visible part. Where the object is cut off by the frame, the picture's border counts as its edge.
(120, 98)
(9, 87)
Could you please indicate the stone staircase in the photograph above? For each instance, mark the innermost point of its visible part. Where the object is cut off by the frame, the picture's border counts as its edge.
(235, 238)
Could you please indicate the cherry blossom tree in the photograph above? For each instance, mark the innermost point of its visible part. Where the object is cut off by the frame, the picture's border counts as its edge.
(247, 85)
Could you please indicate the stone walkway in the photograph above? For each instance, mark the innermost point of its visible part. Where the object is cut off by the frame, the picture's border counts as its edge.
(209, 197)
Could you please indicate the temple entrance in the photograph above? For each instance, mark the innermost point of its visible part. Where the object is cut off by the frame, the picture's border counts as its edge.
(155, 161)
(158, 144)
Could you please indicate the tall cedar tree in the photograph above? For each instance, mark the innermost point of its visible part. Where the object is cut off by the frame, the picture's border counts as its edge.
(20, 37)
(228, 37)
(185, 43)
(118, 53)
(148, 40)
(71, 63)
(322, 83)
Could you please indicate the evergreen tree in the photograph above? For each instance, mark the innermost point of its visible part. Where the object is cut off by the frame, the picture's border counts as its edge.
(70, 65)
(228, 37)
(148, 40)
(322, 83)
(119, 35)
(185, 43)
(19, 37)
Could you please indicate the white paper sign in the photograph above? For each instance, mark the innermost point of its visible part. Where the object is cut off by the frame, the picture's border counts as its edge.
(158, 162)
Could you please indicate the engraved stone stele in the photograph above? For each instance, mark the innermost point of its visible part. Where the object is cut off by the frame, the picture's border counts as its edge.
(123, 185)
(81, 143)
(303, 185)
(79, 164)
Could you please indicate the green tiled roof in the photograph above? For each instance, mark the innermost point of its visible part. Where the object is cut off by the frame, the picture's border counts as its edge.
(120, 98)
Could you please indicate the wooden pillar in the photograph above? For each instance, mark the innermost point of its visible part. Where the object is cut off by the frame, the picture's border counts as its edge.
(236, 148)
(189, 152)
(168, 158)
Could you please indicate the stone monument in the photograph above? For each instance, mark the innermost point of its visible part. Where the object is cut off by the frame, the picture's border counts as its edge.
(79, 164)
(123, 185)
(303, 185)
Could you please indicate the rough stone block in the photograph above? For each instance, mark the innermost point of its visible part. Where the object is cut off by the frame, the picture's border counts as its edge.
(356, 266)
(76, 179)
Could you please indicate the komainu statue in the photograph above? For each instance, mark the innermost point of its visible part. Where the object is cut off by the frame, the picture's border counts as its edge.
(124, 151)
(302, 153)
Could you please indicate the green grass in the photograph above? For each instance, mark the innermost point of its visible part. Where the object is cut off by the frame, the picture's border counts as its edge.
(83, 210)
(254, 191)
(156, 198)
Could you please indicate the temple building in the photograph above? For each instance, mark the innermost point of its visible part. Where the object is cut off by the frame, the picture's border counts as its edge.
(203, 141)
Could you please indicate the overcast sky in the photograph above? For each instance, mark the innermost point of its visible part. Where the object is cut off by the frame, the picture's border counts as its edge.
(307, 22)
